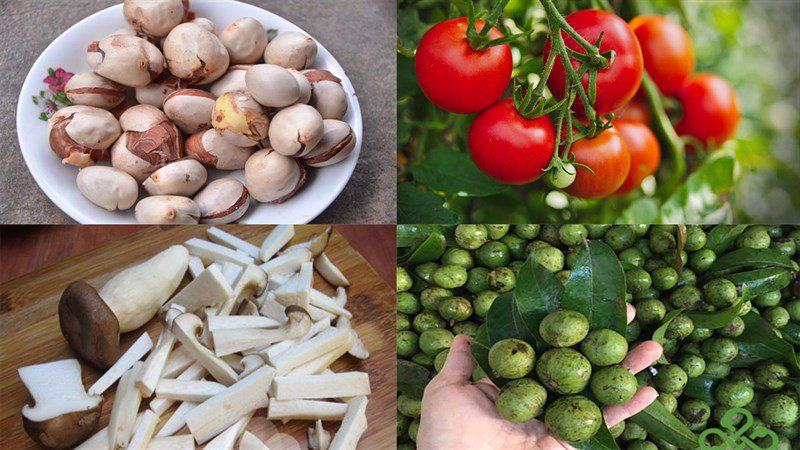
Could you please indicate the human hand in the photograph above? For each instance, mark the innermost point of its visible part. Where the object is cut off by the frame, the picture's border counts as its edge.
(460, 414)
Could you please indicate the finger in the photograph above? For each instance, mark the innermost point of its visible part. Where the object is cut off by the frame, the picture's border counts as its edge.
(615, 414)
(544, 441)
(631, 312)
(489, 389)
(643, 356)
(459, 364)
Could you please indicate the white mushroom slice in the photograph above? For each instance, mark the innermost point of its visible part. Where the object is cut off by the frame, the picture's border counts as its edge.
(251, 284)
(227, 341)
(195, 266)
(337, 385)
(188, 391)
(177, 420)
(124, 410)
(235, 361)
(251, 363)
(194, 372)
(311, 349)
(318, 314)
(178, 361)
(318, 365)
(180, 442)
(297, 291)
(275, 350)
(185, 328)
(272, 309)
(358, 350)
(277, 238)
(148, 377)
(63, 413)
(227, 439)
(234, 322)
(305, 410)
(287, 263)
(329, 271)
(232, 272)
(125, 362)
(316, 244)
(222, 237)
(215, 252)
(224, 409)
(250, 442)
(208, 289)
(277, 280)
(143, 432)
(341, 296)
(353, 426)
(322, 301)
(99, 440)
(318, 438)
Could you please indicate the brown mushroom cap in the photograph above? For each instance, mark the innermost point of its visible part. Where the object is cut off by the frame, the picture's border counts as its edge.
(65, 430)
(89, 325)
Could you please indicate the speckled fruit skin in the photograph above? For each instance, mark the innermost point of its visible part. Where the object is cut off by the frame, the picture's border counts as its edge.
(564, 370)
(521, 400)
(511, 358)
(613, 385)
(574, 418)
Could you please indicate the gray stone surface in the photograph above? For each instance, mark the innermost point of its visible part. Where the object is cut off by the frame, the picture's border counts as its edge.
(359, 33)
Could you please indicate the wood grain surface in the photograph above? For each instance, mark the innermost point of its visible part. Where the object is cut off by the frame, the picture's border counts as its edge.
(30, 333)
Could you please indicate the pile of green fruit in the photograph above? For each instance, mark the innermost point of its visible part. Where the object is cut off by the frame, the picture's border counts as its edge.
(545, 306)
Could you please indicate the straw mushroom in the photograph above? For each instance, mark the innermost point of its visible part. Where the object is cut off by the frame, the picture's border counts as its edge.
(190, 109)
(233, 80)
(272, 85)
(155, 17)
(156, 92)
(184, 177)
(167, 210)
(327, 94)
(108, 187)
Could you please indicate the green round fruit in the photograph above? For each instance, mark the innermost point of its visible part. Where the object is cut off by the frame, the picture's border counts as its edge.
(516, 246)
(425, 271)
(573, 418)
(439, 360)
(407, 303)
(564, 370)
(681, 327)
(717, 369)
(497, 231)
(766, 300)
(548, 256)
(777, 316)
(770, 376)
(423, 359)
(695, 239)
(671, 379)
(633, 330)
(662, 242)
(502, 279)
(755, 237)
(793, 307)
(604, 347)
(563, 328)
(686, 297)
(409, 406)
(412, 430)
(744, 375)
(669, 401)
(428, 320)
(779, 410)
(407, 343)
(450, 276)
(720, 293)
(641, 445)
(695, 411)
(402, 425)
(736, 394)
(693, 365)
(616, 430)
(719, 349)
(620, 237)
(650, 311)
(521, 400)
(511, 358)
(455, 309)
(665, 278)
(701, 260)
(470, 236)
(404, 280)
(633, 432)
(733, 329)
(435, 340)
(483, 301)
(466, 327)
(477, 280)
(493, 254)
(572, 234)
(455, 256)
(613, 385)
(431, 297)
(637, 280)
(527, 231)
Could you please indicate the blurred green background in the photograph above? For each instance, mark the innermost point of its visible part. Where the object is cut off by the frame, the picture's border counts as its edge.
(754, 178)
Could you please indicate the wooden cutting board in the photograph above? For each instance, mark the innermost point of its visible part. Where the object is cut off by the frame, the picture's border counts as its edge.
(30, 332)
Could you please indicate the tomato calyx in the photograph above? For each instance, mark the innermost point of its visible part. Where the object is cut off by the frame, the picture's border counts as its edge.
(480, 40)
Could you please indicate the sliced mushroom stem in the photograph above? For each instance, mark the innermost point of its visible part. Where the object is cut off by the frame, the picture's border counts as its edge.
(305, 410)
(277, 238)
(336, 385)
(123, 364)
(185, 328)
(353, 426)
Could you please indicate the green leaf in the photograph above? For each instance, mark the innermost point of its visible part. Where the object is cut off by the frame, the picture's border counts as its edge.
(791, 333)
(759, 341)
(537, 292)
(43, 117)
(703, 197)
(411, 235)
(659, 422)
(716, 319)
(450, 171)
(658, 335)
(480, 352)
(749, 258)
(411, 378)
(596, 287)
(417, 206)
(641, 210)
(603, 440)
(702, 388)
(722, 237)
(761, 281)
(430, 249)
(503, 321)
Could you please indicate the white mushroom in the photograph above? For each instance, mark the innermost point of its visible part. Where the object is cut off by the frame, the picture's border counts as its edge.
(211, 149)
(233, 80)
(338, 141)
(327, 94)
(108, 187)
(156, 92)
(150, 142)
(272, 85)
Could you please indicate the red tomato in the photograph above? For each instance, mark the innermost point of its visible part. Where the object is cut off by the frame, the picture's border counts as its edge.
(454, 76)
(607, 155)
(667, 50)
(710, 109)
(644, 150)
(617, 84)
(509, 147)
(637, 110)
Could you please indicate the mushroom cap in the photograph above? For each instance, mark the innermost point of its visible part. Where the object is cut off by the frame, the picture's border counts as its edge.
(245, 40)
(296, 130)
(273, 178)
(291, 50)
(190, 109)
(89, 325)
(213, 150)
(64, 431)
(195, 54)
(298, 321)
(154, 18)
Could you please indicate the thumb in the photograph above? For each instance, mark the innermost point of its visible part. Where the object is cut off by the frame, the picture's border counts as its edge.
(459, 364)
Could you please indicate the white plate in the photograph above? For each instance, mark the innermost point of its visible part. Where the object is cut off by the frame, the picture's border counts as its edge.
(68, 51)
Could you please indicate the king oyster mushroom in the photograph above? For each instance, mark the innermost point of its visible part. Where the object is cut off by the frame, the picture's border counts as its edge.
(190, 109)
(245, 40)
(81, 135)
(155, 17)
(90, 89)
(327, 94)
(233, 80)
(273, 178)
(291, 50)
(150, 142)
(338, 141)
(195, 54)
(296, 130)
(156, 92)
(211, 149)
(240, 119)
(222, 201)
(272, 85)
(128, 60)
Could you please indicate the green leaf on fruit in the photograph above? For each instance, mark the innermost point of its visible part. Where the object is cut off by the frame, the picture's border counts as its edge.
(761, 342)
(662, 424)
(722, 237)
(430, 249)
(537, 293)
(480, 352)
(702, 388)
(748, 258)
(504, 321)
(658, 335)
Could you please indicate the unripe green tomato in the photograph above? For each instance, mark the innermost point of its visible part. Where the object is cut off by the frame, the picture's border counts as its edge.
(455, 309)
(562, 177)
(530, 231)
(695, 239)
(432, 296)
(572, 234)
(717, 369)
(637, 280)
(407, 343)
(669, 401)
(620, 237)
(403, 322)
(428, 320)
(404, 280)
(650, 311)
(435, 340)
(477, 280)
(516, 246)
(502, 279)
(425, 271)
(497, 231)
(457, 257)
(407, 303)
(450, 277)
(665, 278)
(777, 316)
(493, 254)
(736, 394)
(471, 236)
(483, 301)
(701, 260)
